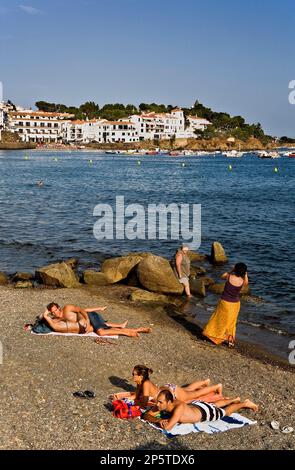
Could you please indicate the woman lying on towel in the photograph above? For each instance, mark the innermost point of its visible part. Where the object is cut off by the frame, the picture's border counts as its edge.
(147, 392)
(73, 319)
(180, 412)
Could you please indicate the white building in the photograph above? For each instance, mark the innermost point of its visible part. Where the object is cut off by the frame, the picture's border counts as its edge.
(38, 126)
(159, 125)
(101, 131)
(196, 124)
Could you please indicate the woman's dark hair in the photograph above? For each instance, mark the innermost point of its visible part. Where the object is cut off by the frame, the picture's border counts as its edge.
(143, 372)
(167, 395)
(52, 304)
(240, 270)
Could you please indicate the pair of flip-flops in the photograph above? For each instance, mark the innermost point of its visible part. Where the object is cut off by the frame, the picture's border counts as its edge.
(86, 394)
(285, 429)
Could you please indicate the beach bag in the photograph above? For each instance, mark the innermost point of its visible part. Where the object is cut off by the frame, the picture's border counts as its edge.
(41, 327)
(125, 410)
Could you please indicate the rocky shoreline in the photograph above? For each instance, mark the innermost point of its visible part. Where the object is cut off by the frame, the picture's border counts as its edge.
(40, 373)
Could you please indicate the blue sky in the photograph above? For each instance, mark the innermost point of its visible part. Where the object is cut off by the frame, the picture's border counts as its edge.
(231, 55)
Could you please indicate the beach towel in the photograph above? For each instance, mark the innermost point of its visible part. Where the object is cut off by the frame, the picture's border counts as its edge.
(91, 335)
(227, 423)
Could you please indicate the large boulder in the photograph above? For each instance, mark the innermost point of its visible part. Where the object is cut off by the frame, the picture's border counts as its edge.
(117, 269)
(198, 287)
(3, 279)
(57, 275)
(155, 274)
(95, 278)
(140, 295)
(218, 255)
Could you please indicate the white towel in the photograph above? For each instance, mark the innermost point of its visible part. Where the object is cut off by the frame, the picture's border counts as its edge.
(91, 335)
(233, 421)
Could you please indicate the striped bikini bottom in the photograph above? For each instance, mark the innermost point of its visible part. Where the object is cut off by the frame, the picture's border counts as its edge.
(208, 411)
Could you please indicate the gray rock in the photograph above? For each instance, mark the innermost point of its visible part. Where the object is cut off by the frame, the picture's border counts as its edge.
(22, 277)
(3, 279)
(140, 295)
(198, 287)
(58, 275)
(95, 278)
(117, 269)
(23, 285)
(218, 255)
(155, 274)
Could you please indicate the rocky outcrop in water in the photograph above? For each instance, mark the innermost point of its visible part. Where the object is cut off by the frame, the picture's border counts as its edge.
(198, 287)
(156, 275)
(117, 269)
(218, 255)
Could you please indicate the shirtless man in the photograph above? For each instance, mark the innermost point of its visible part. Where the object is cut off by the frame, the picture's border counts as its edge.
(180, 412)
(73, 319)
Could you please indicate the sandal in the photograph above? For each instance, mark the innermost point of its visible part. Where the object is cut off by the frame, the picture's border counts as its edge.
(287, 429)
(85, 394)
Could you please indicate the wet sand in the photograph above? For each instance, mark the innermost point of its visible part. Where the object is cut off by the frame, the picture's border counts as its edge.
(40, 373)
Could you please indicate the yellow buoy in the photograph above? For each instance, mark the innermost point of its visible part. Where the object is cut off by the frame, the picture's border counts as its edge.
(26, 157)
(230, 167)
(55, 159)
(138, 162)
(90, 161)
(183, 164)
(276, 169)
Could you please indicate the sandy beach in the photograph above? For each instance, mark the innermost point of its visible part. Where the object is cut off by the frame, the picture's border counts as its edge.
(40, 373)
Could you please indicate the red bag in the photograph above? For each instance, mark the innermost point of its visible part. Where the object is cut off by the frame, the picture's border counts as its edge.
(125, 410)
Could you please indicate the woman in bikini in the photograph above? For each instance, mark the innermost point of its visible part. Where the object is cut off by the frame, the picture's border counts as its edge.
(146, 391)
(73, 319)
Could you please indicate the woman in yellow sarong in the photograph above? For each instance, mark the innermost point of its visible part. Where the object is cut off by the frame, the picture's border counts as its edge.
(222, 325)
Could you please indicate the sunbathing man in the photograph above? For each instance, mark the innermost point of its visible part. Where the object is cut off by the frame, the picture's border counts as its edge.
(180, 412)
(73, 319)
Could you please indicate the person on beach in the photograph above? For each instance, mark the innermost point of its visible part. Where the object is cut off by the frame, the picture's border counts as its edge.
(222, 325)
(147, 392)
(180, 412)
(73, 319)
(182, 266)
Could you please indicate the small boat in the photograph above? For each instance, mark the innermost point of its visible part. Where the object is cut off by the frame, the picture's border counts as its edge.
(233, 154)
(291, 155)
(263, 154)
(174, 154)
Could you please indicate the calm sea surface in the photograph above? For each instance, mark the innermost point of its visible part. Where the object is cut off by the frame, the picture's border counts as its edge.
(250, 210)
